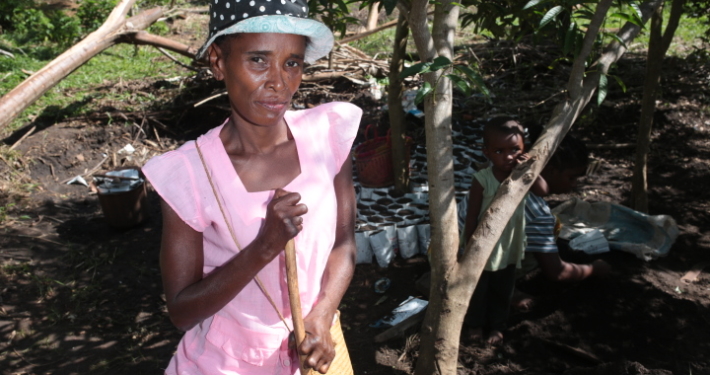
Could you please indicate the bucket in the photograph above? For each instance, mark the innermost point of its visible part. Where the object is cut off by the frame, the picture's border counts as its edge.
(123, 198)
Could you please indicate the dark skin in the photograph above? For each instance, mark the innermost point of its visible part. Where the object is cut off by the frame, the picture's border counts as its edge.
(553, 267)
(505, 151)
(261, 72)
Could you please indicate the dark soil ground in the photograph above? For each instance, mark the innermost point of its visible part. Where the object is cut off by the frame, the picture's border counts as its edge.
(79, 297)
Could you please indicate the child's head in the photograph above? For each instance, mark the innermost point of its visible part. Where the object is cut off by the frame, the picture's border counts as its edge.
(503, 142)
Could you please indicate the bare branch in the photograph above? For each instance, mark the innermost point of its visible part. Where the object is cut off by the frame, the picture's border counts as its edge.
(577, 75)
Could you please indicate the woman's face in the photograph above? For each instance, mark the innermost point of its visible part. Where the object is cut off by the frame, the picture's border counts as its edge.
(261, 72)
(562, 181)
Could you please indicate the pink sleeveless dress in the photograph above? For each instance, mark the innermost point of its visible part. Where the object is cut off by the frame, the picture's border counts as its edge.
(247, 336)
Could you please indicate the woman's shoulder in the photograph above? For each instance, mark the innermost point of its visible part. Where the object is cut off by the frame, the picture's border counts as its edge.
(184, 155)
(335, 112)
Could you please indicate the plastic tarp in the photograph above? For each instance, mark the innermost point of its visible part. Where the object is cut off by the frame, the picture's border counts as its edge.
(647, 237)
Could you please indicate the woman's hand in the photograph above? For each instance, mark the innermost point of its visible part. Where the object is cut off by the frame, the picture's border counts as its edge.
(318, 345)
(283, 221)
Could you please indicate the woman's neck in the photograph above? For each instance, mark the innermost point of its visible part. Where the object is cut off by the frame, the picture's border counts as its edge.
(240, 138)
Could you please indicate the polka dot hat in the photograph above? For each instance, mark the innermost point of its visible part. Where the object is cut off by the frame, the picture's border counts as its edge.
(268, 16)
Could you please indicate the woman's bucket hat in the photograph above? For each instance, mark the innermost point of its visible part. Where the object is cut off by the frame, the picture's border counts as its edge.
(268, 16)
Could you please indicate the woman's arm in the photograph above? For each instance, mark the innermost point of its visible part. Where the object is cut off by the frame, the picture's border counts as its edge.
(318, 345)
(191, 297)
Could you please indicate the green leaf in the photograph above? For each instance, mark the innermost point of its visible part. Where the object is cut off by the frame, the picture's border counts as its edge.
(620, 82)
(601, 93)
(585, 14)
(389, 5)
(570, 38)
(616, 37)
(474, 77)
(532, 3)
(424, 91)
(628, 18)
(461, 83)
(439, 63)
(550, 15)
(418, 68)
(635, 6)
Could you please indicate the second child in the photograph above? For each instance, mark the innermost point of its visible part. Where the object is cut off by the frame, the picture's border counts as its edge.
(503, 145)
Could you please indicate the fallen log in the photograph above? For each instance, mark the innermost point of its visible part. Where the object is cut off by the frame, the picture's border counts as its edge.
(115, 27)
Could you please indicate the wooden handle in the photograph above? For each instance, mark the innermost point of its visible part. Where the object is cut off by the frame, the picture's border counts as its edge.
(295, 301)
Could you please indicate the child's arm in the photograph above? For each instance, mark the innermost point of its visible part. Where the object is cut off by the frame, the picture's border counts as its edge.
(475, 200)
(540, 187)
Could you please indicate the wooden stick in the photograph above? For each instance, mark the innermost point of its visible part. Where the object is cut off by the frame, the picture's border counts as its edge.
(299, 328)
(23, 137)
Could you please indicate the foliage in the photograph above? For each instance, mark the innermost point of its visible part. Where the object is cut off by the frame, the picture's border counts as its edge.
(335, 14)
(93, 13)
(504, 19)
(462, 75)
(43, 24)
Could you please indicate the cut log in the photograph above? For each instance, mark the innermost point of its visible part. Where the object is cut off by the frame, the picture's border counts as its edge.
(116, 26)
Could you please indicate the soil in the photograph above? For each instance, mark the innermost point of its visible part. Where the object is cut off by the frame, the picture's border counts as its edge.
(78, 296)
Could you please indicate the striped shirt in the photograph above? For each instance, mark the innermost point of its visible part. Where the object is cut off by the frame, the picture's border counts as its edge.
(539, 226)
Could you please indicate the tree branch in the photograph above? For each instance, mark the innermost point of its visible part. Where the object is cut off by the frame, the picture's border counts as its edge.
(574, 86)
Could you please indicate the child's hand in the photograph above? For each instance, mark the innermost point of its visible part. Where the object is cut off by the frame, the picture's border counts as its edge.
(524, 156)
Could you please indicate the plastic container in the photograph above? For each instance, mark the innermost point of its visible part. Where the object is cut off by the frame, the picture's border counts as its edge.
(123, 198)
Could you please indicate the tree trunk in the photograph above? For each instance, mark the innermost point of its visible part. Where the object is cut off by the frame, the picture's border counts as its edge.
(400, 166)
(453, 281)
(26, 93)
(373, 16)
(437, 355)
(657, 48)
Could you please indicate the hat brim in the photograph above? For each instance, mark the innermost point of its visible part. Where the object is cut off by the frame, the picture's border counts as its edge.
(320, 38)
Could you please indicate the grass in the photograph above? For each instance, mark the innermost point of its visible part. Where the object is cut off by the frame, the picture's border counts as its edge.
(73, 95)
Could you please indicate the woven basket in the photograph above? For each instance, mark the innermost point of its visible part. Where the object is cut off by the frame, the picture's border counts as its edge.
(373, 160)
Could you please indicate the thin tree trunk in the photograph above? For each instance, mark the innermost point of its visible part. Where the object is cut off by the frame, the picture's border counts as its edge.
(657, 48)
(373, 16)
(440, 331)
(26, 93)
(400, 166)
(453, 281)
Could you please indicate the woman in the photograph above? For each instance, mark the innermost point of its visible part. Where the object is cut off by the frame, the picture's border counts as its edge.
(278, 175)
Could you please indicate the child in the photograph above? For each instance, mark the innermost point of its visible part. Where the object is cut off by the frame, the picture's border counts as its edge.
(503, 145)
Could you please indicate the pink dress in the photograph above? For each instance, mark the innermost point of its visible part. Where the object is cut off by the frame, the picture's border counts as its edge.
(247, 336)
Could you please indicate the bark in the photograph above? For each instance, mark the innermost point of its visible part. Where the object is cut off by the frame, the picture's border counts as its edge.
(453, 281)
(437, 355)
(26, 93)
(148, 39)
(400, 165)
(373, 16)
(657, 48)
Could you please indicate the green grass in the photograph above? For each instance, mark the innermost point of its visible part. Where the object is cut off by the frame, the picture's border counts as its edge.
(74, 94)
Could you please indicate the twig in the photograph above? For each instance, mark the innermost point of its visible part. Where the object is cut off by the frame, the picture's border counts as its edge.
(171, 57)
(94, 169)
(610, 146)
(23, 137)
(575, 351)
(37, 238)
(5, 76)
(203, 101)
(8, 54)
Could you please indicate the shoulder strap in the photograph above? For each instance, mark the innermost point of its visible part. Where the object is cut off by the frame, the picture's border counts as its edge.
(234, 237)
